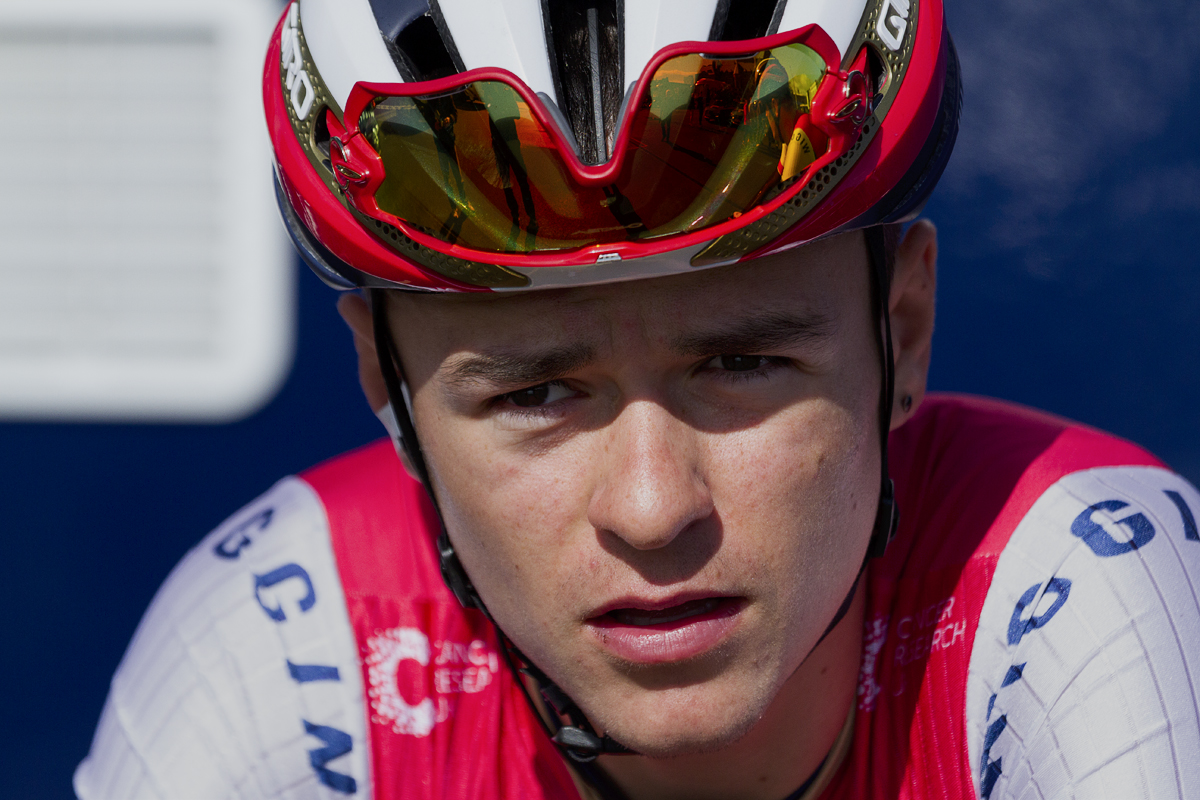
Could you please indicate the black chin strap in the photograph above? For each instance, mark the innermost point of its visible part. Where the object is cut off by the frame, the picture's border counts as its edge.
(887, 517)
(578, 740)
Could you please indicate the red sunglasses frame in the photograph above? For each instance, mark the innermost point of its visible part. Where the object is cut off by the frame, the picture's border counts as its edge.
(840, 107)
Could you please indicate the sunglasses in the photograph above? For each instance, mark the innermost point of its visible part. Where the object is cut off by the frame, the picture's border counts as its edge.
(477, 166)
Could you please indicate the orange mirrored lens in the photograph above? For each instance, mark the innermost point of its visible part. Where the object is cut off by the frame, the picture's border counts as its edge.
(710, 137)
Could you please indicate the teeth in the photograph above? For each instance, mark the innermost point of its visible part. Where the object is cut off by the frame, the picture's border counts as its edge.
(634, 616)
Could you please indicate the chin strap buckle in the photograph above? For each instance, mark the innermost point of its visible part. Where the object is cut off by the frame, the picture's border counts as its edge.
(577, 741)
(887, 520)
(583, 746)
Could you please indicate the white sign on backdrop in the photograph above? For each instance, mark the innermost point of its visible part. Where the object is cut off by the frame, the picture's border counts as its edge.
(144, 274)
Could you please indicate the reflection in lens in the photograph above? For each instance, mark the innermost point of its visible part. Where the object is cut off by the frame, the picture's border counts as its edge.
(707, 140)
(735, 133)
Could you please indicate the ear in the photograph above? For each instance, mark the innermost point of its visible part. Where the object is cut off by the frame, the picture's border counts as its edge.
(911, 305)
(357, 315)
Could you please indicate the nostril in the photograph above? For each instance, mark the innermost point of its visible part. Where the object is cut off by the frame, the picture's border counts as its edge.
(651, 484)
(648, 516)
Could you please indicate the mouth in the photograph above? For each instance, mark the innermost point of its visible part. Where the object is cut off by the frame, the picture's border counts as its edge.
(669, 633)
(643, 617)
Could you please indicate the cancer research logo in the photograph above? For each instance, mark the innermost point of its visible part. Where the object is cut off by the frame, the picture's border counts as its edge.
(458, 668)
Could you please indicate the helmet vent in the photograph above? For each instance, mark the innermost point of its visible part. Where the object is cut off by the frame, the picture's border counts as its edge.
(735, 20)
(586, 39)
(878, 73)
(321, 137)
(417, 38)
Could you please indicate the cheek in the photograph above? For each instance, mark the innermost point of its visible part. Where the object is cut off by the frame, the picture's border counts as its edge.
(801, 489)
(510, 518)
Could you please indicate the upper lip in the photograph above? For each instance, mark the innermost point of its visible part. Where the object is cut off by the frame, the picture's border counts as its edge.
(642, 603)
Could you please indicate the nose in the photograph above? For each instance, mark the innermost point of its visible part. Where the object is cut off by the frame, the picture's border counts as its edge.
(651, 486)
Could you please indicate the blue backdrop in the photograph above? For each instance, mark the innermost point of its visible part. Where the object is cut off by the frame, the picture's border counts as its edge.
(1069, 281)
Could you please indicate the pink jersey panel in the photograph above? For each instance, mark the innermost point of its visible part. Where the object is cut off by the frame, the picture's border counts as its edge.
(446, 718)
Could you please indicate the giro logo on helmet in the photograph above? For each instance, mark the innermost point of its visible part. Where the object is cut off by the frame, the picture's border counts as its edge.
(298, 82)
(891, 27)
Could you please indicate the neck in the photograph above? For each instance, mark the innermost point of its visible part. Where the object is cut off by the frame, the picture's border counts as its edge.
(787, 746)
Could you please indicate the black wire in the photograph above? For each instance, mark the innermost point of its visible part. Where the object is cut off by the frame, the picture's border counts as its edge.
(588, 771)
(887, 517)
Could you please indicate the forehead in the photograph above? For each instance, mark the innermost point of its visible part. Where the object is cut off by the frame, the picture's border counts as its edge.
(824, 277)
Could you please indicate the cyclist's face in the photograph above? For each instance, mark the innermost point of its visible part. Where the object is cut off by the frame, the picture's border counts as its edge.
(662, 490)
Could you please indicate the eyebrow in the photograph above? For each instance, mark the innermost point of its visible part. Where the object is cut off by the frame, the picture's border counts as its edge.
(519, 368)
(757, 334)
(752, 334)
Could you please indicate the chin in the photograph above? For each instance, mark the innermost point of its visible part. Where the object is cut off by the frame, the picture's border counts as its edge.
(682, 740)
(674, 724)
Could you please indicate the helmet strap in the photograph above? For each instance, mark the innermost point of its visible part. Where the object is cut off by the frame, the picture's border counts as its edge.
(887, 516)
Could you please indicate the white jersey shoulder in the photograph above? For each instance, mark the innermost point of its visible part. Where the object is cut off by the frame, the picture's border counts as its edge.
(1086, 666)
(243, 679)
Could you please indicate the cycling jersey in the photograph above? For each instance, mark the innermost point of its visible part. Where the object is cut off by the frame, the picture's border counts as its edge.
(1032, 632)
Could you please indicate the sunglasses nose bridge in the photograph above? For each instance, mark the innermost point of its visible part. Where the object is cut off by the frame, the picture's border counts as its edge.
(590, 176)
(599, 175)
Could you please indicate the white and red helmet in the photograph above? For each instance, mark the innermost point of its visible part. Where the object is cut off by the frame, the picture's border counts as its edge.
(471, 145)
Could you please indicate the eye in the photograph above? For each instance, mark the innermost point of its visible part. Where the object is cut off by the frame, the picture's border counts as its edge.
(738, 363)
(739, 367)
(539, 395)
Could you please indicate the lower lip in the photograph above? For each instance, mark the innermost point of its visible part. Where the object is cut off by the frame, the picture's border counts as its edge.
(664, 643)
